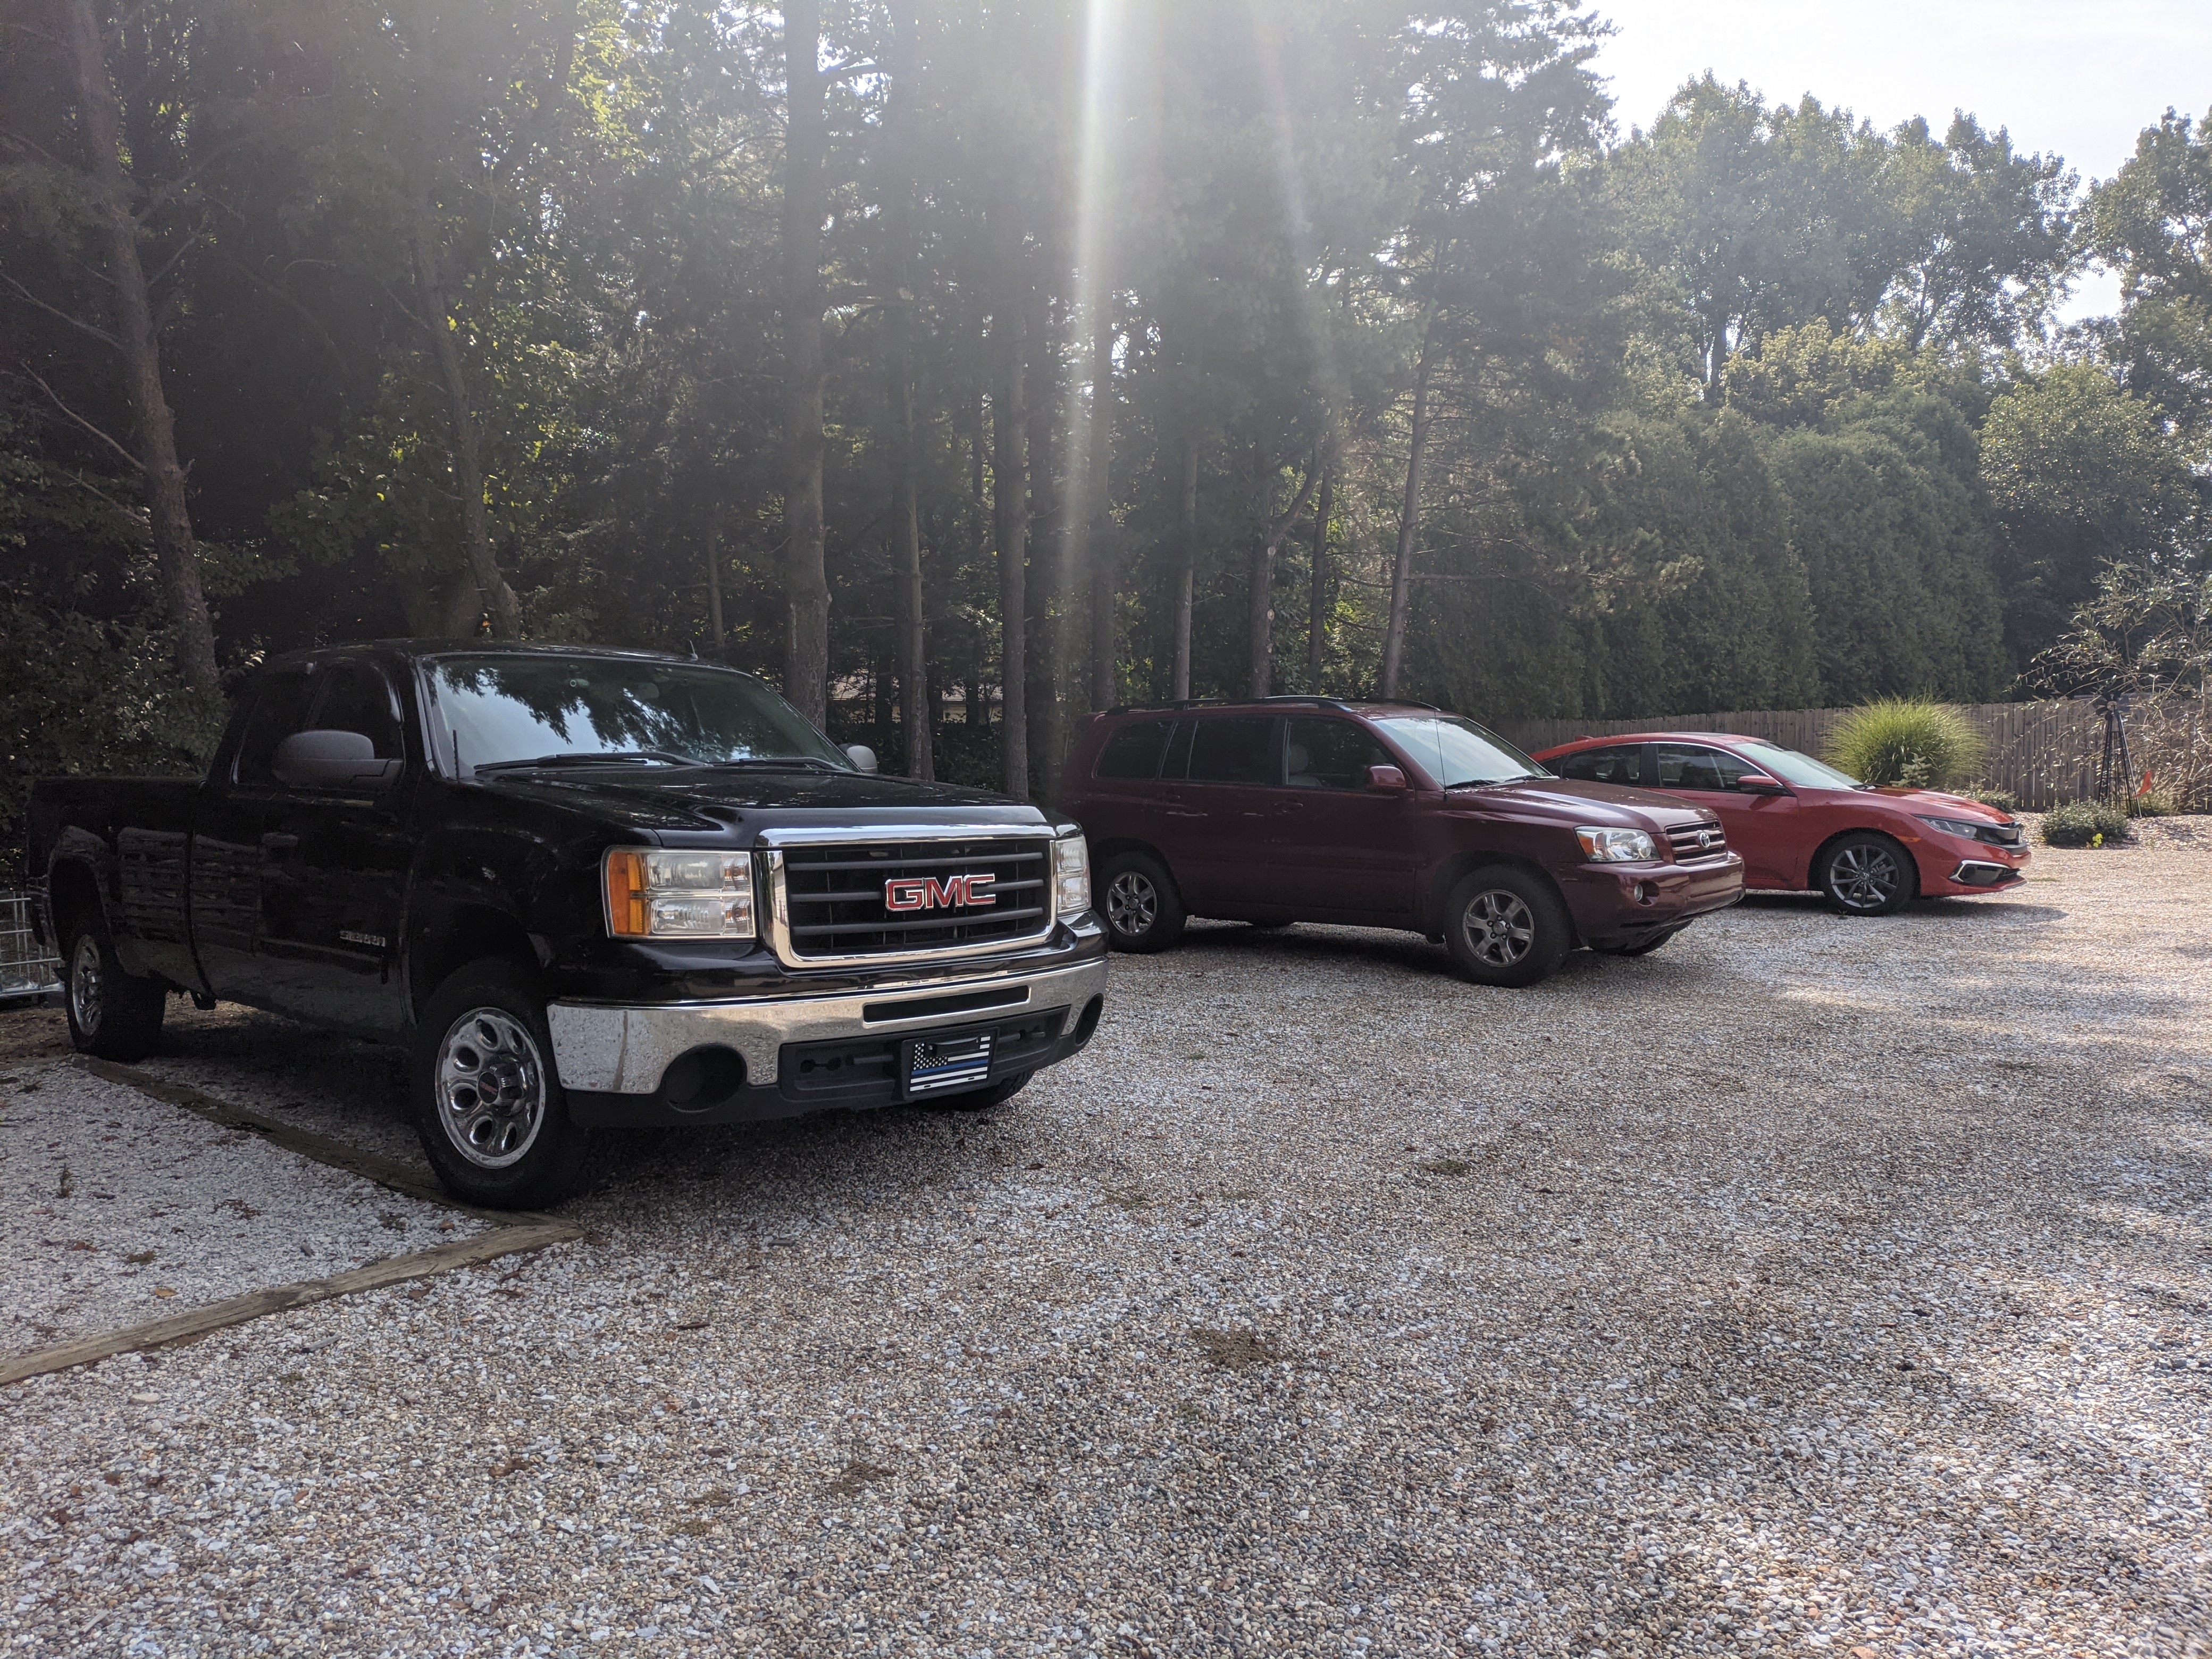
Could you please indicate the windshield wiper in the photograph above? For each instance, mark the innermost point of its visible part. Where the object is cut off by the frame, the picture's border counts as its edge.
(778, 762)
(1487, 783)
(590, 758)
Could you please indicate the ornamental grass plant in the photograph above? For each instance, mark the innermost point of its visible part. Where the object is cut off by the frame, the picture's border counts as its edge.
(1907, 740)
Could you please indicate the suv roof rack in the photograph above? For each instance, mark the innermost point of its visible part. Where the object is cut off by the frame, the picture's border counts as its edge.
(1303, 698)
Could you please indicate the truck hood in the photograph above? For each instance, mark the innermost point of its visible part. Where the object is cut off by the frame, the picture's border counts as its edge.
(1602, 806)
(710, 798)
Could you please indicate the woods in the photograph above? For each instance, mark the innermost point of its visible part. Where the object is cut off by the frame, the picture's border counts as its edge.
(964, 368)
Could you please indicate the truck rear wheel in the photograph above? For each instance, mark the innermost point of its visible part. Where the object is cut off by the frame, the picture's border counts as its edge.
(493, 1118)
(1505, 927)
(112, 1015)
(1144, 913)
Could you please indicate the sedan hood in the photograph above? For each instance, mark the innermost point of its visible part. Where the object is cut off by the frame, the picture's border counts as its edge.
(1936, 803)
(714, 797)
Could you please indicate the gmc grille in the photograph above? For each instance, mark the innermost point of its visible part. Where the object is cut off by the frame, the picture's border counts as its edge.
(1682, 839)
(834, 896)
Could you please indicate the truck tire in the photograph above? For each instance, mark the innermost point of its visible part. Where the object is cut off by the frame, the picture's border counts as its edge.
(493, 1120)
(1144, 913)
(112, 1015)
(1866, 874)
(1505, 927)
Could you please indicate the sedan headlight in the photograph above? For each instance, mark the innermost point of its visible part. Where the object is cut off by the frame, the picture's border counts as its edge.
(657, 894)
(1070, 876)
(1616, 845)
(1969, 830)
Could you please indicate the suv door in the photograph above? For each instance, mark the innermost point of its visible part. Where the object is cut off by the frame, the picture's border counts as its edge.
(334, 863)
(1762, 828)
(1335, 846)
(1216, 810)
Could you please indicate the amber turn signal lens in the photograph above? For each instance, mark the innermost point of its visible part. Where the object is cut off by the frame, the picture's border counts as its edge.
(628, 916)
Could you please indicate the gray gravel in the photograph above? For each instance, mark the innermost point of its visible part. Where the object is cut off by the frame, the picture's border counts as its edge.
(125, 1210)
(1810, 1285)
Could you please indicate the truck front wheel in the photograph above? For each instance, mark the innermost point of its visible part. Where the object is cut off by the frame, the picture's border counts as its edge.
(112, 1015)
(493, 1120)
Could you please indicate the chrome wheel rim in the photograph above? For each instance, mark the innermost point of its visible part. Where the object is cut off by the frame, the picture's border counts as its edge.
(1133, 904)
(491, 1087)
(1499, 927)
(1864, 878)
(86, 990)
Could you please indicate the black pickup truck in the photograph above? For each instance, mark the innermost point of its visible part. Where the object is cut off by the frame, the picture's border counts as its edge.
(584, 888)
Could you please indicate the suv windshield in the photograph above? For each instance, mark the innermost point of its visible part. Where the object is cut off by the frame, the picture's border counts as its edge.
(1456, 752)
(510, 711)
(1791, 767)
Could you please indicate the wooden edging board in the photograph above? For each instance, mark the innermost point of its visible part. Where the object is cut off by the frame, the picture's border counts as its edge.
(513, 1232)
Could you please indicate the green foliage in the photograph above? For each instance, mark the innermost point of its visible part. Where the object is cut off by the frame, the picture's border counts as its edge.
(1906, 740)
(2085, 823)
(2151, 804)
(2003, 800)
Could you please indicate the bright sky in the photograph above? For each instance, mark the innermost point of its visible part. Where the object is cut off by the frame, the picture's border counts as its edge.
(2079, 78)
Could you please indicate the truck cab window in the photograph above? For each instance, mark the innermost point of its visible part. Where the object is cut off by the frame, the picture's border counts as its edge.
(355, 698)
(280, 708)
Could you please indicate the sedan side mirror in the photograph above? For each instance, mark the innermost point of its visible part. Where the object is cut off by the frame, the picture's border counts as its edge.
(332, 760)
(861, 755)
(1387, 778)
(1757, 783)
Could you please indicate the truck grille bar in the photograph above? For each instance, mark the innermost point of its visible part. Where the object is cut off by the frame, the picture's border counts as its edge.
(827, 901)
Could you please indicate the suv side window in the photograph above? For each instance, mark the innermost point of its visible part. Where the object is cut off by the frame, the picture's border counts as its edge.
(357, 698)
(1694, 766)
(1133, 750)
(1326, 754)
(280, 708)
(1623, 764)
(1234, 748)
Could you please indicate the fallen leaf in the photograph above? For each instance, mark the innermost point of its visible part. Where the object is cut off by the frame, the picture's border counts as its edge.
(1235, 1350)
(1451, 1167)
(163, 1290)
(139, 1258)
(855, 1475)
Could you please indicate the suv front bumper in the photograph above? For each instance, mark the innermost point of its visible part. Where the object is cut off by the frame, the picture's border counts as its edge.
(619, 1062)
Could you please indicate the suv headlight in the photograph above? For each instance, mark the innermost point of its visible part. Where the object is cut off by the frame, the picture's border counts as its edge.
(1070, 876)
(653, 893)
(1969, 831)
(1616, 845)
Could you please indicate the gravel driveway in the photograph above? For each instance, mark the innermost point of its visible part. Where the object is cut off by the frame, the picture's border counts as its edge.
(1809, 1285)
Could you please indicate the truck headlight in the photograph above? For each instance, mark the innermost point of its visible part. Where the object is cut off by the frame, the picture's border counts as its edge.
(653, 893)
(1616, 845)
(1070, 876)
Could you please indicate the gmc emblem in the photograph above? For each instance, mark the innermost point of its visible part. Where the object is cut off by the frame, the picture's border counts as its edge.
(902, 893)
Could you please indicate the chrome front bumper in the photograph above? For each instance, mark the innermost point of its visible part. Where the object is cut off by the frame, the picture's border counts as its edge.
(622, 1048)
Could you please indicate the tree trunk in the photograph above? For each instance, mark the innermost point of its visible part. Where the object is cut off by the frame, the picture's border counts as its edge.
(806, 585)
(714, 578)
(1010, 496)
(1261, 599)
(492, 590)
(1186, 562)
(1317, 604)
(906, 510)
(1047, 586)
(1097, 507)
(1409, 521)
(176, 554)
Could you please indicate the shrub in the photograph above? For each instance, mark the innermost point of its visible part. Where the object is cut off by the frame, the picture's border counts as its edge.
(2085, 823)
(2152, 804)
(1907, 740)
(2003, 800)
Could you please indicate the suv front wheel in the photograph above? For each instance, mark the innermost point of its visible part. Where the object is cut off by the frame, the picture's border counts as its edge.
(1505, 927)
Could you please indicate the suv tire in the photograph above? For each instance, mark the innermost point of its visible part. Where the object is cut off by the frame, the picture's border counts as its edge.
(1866, 874)
(1505, 927)
(493, 1118)
(1138, 898)
(112, 1015)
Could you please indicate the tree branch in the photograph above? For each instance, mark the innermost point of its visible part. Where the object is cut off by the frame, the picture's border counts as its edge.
(136, 466)
(99, 334)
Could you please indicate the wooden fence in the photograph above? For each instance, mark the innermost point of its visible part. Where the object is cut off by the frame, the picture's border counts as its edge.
(2042, 753)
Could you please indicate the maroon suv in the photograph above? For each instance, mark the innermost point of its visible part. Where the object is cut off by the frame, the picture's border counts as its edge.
(1381, 815)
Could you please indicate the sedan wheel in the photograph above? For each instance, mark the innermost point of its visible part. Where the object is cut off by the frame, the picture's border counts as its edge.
(491, 1087)
(1867, 875)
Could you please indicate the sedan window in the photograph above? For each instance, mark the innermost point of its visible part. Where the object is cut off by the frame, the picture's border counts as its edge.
(1621, 764)
(1694, 766)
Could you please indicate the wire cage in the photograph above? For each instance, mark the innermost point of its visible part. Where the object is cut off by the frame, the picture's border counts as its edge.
(27, 969)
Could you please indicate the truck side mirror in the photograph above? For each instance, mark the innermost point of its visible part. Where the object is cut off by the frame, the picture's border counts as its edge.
(332, 760)
(1387, 778)
(861, 755)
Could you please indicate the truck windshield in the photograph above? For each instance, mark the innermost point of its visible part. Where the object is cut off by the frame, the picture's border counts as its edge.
(1458, 753)
(502, 711)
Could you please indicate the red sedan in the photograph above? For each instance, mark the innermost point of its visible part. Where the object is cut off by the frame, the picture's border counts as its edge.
(1799, 823)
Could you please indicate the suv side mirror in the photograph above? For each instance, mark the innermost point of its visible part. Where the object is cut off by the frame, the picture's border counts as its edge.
(1388, 778)
(332, 759)
(1757, 783)
(861, 755)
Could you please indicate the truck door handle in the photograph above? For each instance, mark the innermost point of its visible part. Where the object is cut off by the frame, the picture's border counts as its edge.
(275, 841)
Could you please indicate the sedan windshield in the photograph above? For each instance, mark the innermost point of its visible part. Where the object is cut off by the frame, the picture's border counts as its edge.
(1458, 753)
(1791, 767)
(511, 711)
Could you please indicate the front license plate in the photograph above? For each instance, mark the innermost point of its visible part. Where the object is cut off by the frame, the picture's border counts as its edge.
(935, 1064)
